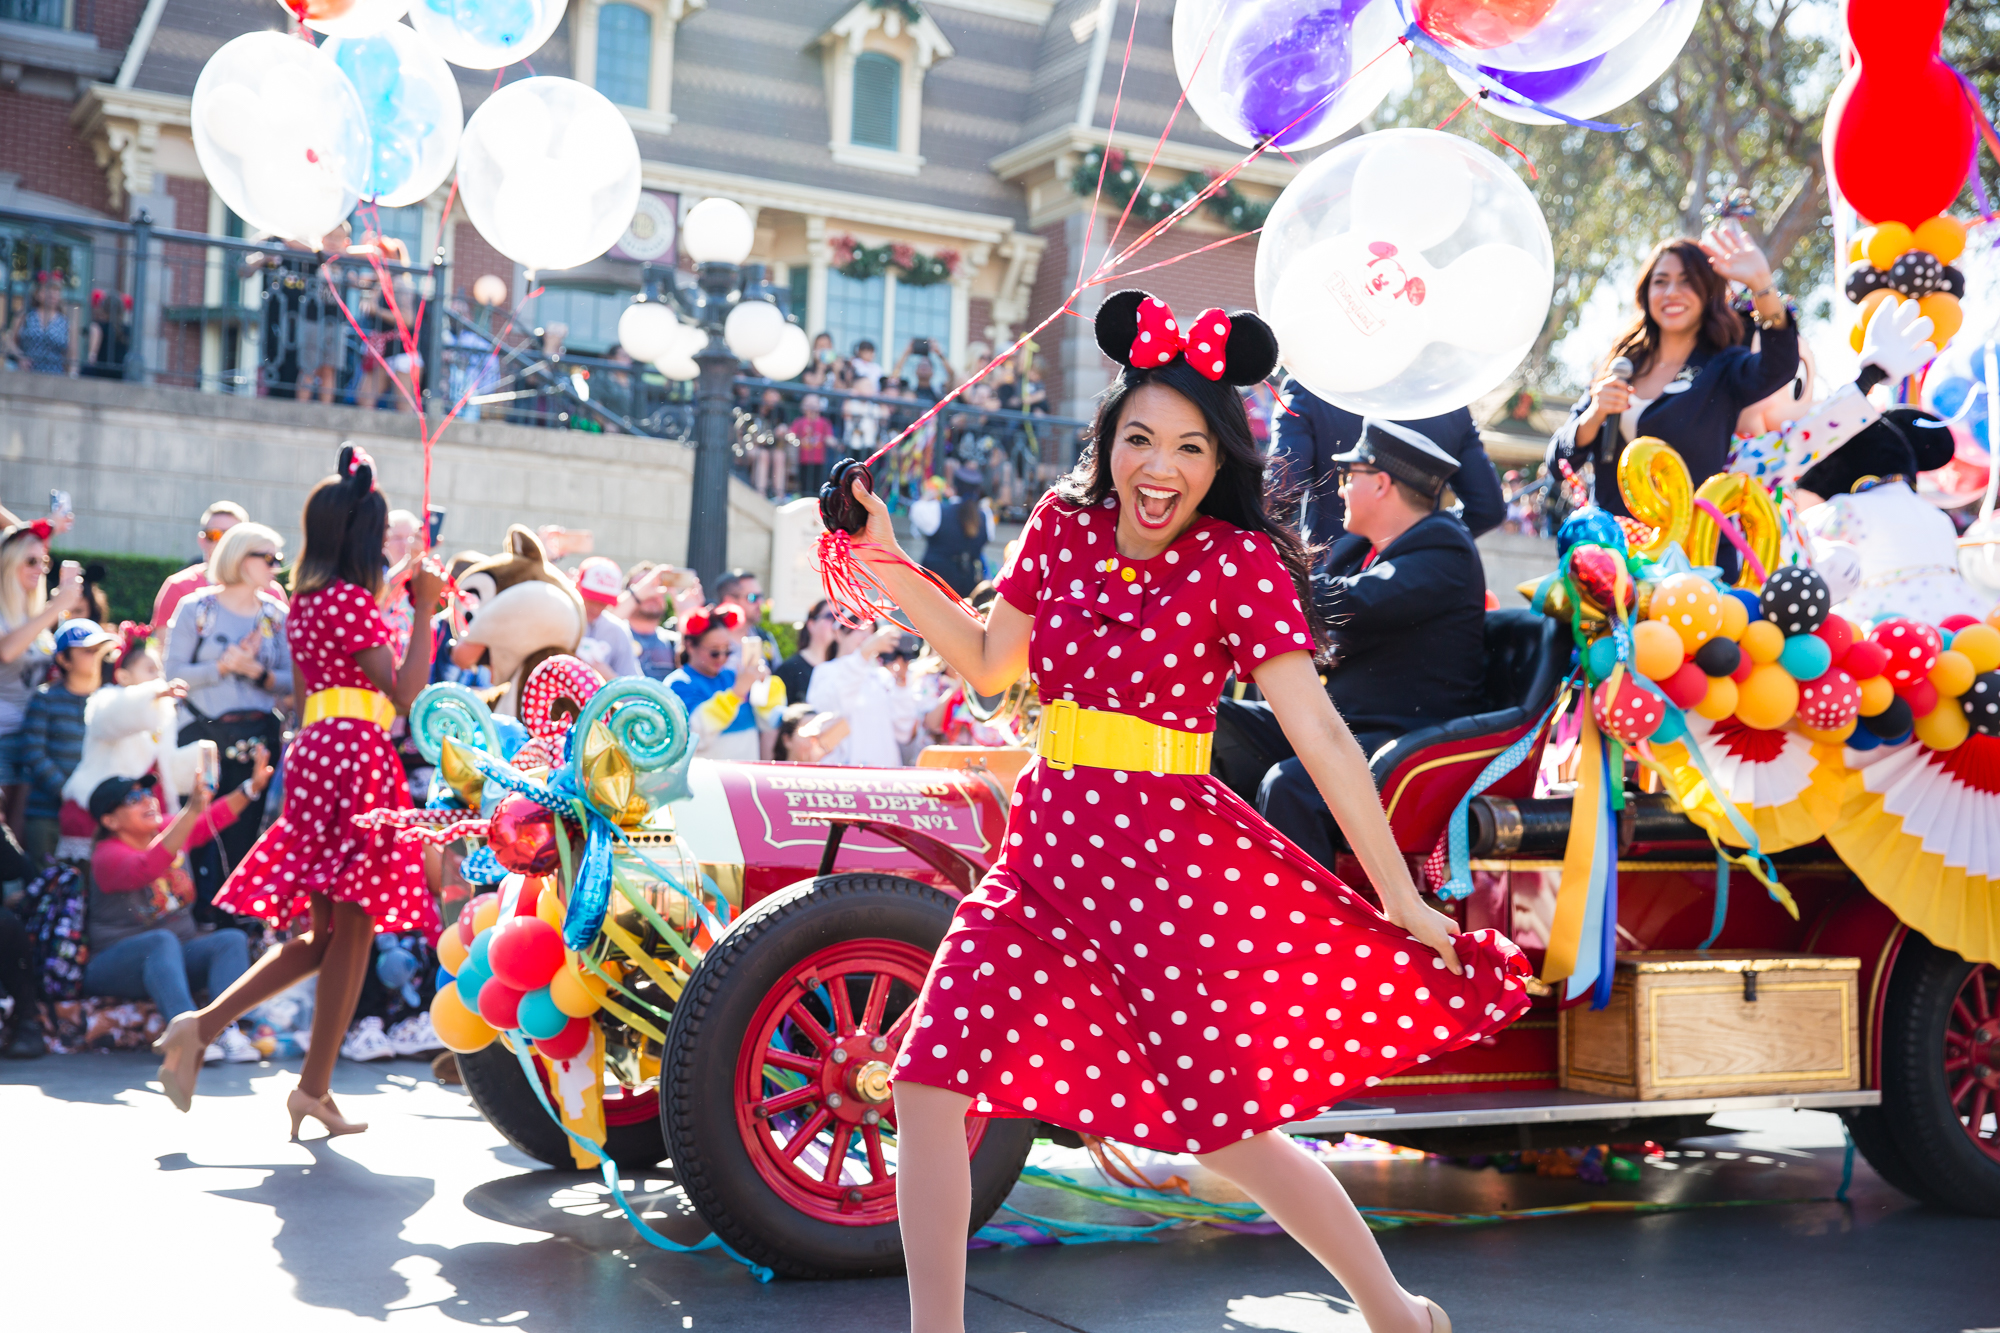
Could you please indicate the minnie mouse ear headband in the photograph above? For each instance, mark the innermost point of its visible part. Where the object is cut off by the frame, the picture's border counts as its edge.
(356, 469)
(132, 637)
(1137, 330)
(41, 527)
(701, 620)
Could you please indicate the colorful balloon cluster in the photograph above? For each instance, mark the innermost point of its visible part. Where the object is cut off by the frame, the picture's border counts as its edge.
(1891, 261)
(512, 974)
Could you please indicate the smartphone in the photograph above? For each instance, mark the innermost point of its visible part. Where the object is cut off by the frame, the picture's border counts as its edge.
(434, 515)
(209, 760)
(921, 346)
(59, 505)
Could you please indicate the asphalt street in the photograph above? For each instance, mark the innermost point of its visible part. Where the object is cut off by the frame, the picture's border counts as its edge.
(120, 1209)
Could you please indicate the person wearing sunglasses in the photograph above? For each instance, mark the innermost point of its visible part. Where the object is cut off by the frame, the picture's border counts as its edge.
(218, 518)
(29, 613)
(227, 641)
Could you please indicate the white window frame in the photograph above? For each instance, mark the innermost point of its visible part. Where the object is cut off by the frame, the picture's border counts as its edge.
(657, 116)
(915, 47)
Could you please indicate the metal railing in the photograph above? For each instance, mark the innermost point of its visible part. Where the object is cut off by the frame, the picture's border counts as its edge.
(220, 314)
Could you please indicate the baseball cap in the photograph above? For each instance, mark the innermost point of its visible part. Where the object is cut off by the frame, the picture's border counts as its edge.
(111, 793)
(80, 633)
(599, 579)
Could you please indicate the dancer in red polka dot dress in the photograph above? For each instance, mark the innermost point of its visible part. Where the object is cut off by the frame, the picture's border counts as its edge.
(1150, 961)
(313, 861)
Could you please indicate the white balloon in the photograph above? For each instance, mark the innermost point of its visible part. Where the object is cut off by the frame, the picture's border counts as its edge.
(1615, 78)
(365, 19)
(645, 328)
(281, 135)
(539, 209)
(487, 34)
(788, 358)
(1380, 307)
(753, 329)
(415, 117)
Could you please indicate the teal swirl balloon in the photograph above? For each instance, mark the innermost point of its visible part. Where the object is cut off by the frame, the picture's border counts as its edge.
(451, 710)
(650, 724)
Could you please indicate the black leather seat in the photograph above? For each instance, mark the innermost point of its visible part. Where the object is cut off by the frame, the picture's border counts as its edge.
(1527, 655)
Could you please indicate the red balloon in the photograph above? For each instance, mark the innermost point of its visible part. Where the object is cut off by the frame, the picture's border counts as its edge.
(465, 915)
(1913, 650)
(500, 1004)
(1865, 660)
(1481, 24)
(1631, 713)
(522, 834)
(1838, 634)
(1745, 664)
(1599, 573)
(568, 1043)
(530, 895)
(1953, 624)
(1686, 687)
(1920, 695)
(525, 952)
(1899, 132)
(1830, 702)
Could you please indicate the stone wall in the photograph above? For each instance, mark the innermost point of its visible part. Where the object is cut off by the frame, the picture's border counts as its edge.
(141, 462)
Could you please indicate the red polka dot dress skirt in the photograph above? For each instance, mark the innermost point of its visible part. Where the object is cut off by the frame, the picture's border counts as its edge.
(336, 768)
(1150, 961)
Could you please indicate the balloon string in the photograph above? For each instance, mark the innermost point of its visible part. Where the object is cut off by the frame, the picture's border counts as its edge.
(1532, 173)
(1454, 113)
(1158, 146)
(1985, 131)
(1104, 158)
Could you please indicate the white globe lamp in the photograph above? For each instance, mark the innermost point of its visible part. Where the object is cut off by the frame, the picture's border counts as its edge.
(717, 231)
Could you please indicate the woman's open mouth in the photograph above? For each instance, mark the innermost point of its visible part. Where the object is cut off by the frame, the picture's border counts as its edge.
(1156, 507)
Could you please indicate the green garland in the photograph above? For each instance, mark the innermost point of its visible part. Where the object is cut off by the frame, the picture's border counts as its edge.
(913, 268)
(1230, 207)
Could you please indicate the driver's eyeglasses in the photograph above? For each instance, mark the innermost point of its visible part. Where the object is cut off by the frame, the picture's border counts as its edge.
(1356, 470)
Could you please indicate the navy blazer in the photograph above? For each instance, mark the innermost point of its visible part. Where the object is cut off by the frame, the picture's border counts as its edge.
(1699, 421)
(1304, 441)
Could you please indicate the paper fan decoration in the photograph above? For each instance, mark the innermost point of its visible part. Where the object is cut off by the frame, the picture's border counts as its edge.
(1921, 827)
(1786, 788)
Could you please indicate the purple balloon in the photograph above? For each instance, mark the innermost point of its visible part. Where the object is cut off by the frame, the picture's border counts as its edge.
(1543, 85)
(1284, 62)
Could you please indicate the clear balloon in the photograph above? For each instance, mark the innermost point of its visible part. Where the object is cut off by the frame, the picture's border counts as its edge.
(281, 135)
(364, 18)
(788, 359)
(645, 329)
(413, 109)
(1955, 388)
(1532, 34)
(1594, 86)
(486, 34)
(1405, 273)
(1293, 69)
(549, 172)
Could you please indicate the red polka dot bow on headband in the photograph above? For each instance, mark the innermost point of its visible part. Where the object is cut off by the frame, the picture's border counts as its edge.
(1160, 338)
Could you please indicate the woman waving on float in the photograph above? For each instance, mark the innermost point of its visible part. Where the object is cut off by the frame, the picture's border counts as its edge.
(1150, 961)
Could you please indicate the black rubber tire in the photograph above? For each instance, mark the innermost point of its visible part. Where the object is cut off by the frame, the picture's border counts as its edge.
(1869, 1126)
(493, 1078)
(698, 1075)
(1941, 1164)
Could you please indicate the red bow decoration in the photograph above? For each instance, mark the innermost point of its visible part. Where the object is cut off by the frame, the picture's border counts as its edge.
(725, 615)
(358, 460)
(1161, 338)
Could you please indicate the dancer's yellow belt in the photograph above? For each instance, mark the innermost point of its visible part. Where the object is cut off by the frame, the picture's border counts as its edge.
(1069, 736)
(350, 701)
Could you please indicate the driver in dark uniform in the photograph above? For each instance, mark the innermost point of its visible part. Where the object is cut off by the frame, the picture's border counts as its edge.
(1405, 594)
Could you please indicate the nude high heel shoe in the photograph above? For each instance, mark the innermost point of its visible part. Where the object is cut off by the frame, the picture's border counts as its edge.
(180, 1048)
(1440, 1321)
(300, 1106)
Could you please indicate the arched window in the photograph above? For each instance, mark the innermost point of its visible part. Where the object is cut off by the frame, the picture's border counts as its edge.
(878, 90)
(625, 54)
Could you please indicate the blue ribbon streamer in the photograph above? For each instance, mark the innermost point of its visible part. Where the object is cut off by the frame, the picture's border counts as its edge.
(1492, 88)
(1721, 899)
(1614, 791)
(609, 1169)
(1458, 840)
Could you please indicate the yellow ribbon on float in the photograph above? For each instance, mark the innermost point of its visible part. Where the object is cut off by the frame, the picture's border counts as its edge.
(1573, 896)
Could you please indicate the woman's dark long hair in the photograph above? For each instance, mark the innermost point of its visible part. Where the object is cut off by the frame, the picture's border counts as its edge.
(345, 522)
(1241, 492)
(1720, 327)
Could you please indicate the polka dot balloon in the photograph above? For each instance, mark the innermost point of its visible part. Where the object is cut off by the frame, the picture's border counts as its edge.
(1689, 605)
(1912, 649)
(1830, 702)
(1629, 713)
(1796, 599)
(1982, 704)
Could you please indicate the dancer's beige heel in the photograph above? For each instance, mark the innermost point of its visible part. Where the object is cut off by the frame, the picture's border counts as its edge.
(1440, 1321)
(180, 1048)
(301, 1106)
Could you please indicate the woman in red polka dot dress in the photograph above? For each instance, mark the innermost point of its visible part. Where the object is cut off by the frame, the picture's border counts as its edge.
(313, 861)
(1150, 961)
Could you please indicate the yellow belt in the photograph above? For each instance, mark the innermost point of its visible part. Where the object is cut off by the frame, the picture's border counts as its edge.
(350, 701)
(1070, 735)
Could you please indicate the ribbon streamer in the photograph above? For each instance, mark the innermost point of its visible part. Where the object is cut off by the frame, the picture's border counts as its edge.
(1458, 839)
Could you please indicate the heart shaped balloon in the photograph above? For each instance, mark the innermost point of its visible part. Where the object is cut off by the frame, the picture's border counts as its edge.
(1601, 577)
(522, 835)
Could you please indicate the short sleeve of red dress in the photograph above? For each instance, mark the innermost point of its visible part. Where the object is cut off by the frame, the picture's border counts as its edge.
(354, 623)
(1021, 582)
(1258, 608)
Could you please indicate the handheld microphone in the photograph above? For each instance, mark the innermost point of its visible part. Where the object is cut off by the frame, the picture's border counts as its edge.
(1621, 367)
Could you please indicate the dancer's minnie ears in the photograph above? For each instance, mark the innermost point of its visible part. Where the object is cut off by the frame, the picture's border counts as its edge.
(356, 469)
(1250, 352)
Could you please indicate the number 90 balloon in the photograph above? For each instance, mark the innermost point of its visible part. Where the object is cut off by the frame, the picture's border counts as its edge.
(1269, 69)
(549, 172)
(281, 135)
(1405, 273)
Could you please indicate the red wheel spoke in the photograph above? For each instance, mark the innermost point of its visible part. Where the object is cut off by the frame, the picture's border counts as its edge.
(1976, 1121)
(787, 1101)
(901, 1026)
(878, 1000)
(836, 1157)
(807, 1133)
(843, 1011)
(1955, 1063)
(1980, 999)
(878, 1170)
(1964, 1086)
(1958, 1040)
(803, 1018)
(1966, 1022)
(798, 1064)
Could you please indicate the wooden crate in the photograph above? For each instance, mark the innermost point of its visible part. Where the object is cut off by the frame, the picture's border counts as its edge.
(1717, 1024)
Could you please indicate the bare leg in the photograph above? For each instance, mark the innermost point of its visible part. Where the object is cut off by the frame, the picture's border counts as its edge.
(1303, 1197)
(340, 977)
(933, 1203)
(277, 971)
